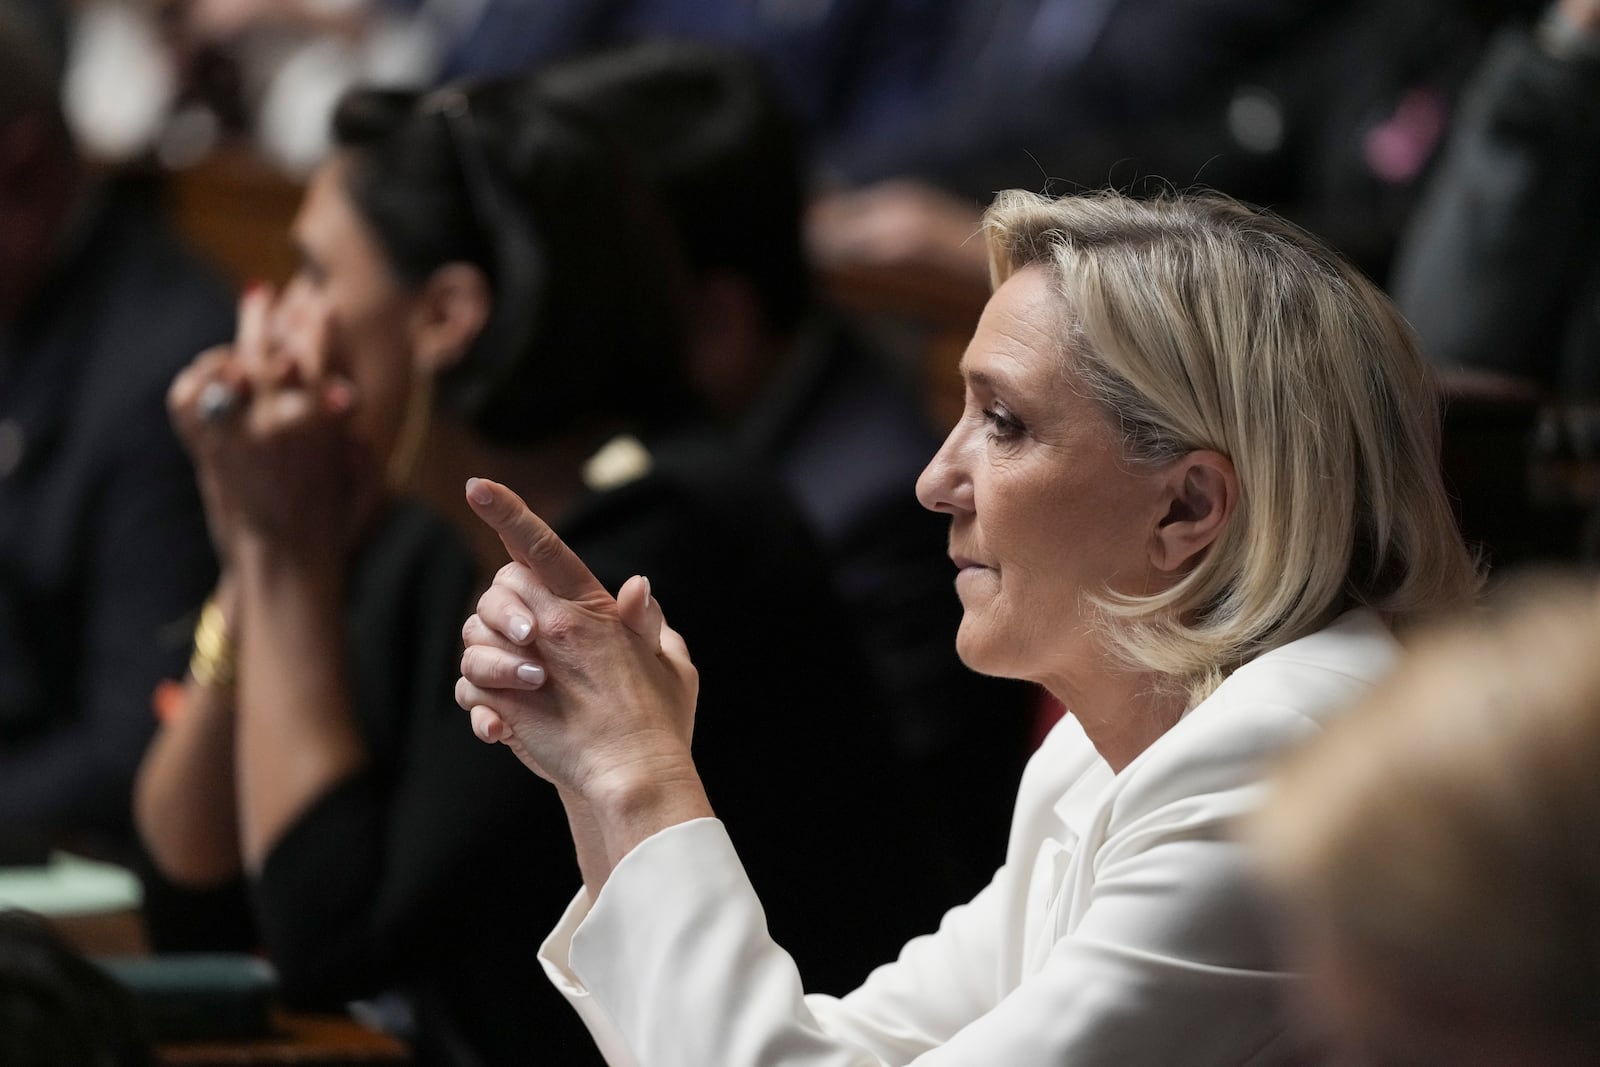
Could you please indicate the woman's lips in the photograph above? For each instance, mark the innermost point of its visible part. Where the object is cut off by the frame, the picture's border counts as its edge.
(967, 568)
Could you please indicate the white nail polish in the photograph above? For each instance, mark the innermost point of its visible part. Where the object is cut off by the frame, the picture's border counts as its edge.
(521, 627)
(531, 673)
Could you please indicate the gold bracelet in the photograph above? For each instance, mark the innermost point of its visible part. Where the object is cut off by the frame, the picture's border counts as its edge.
(214, 660)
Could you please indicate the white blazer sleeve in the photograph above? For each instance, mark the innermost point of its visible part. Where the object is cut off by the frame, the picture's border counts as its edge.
(674, 968)
(673, 964)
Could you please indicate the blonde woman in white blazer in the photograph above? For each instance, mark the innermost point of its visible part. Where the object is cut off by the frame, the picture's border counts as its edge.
(1194, 494)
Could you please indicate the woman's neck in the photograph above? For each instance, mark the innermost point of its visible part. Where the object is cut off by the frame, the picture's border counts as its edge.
(1121, 712)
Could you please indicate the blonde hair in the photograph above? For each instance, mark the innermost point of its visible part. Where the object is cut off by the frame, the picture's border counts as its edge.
(1445, 832)
(1200, 323)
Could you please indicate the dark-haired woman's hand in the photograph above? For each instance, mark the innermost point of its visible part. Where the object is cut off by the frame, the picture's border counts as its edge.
(272, 441)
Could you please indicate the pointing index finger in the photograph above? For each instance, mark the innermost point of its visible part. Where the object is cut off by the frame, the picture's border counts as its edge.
(531, 542)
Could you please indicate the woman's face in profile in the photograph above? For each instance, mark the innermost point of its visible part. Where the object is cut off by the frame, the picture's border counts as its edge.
(1043, 508)
(344, 275)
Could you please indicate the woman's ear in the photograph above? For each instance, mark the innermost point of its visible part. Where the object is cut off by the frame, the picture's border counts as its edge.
(1202, 491)
(449, 314)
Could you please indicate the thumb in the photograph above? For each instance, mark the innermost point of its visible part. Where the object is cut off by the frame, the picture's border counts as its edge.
(642, 614)
(640, 611)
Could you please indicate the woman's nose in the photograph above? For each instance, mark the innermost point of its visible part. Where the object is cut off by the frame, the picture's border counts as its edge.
(943, 485)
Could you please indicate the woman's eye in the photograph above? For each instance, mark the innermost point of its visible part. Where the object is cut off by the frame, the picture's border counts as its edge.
(1003, 426)
(310, 271)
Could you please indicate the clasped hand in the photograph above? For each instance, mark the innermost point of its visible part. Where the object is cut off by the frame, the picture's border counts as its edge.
(279, 460)
(594, 694)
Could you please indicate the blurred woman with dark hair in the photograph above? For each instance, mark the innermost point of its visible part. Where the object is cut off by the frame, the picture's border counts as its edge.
(483, 286)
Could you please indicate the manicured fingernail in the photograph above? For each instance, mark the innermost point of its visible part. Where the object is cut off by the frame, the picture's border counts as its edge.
(531, 673)
(646, 579)
(478, 491)
(521, 626)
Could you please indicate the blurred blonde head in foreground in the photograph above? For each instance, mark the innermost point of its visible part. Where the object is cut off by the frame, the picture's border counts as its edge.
(1439, 849)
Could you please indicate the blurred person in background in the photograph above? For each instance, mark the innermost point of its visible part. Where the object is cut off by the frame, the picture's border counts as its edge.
(1499, 270)
(176, 79)
(1036, 89)
(484, 285)
(180, 72)
(1435, 852)
(841, 425)
(103, 548)
(1329, 112)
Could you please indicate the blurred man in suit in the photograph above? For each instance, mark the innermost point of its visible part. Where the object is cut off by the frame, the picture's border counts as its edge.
(103, 546)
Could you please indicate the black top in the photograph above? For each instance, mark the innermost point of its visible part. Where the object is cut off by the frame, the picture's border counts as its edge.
(793, 737)
(438, 870)
(420, 873)
(103, 546)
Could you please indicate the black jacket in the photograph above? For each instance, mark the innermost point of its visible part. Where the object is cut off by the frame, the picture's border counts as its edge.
(103, 546)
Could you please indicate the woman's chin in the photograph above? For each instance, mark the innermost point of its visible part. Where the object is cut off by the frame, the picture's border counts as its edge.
(975, 649)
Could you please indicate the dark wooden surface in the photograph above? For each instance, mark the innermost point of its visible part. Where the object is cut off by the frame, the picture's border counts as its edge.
(303, 1040)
